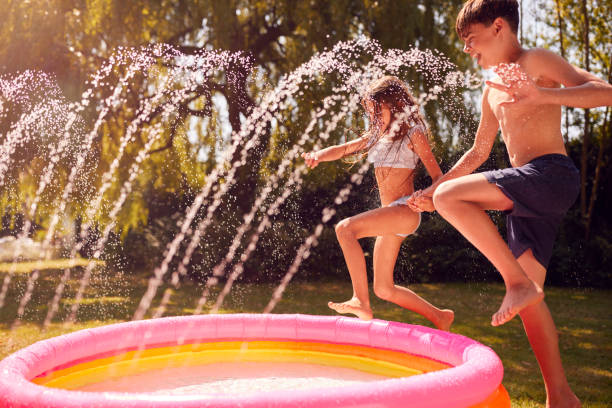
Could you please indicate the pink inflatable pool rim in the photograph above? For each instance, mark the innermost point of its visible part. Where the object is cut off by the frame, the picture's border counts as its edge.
(476, 371)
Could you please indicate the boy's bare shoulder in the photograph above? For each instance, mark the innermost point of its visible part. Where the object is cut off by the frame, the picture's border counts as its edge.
(550, 69)
(542, 64)
(543, 58)
(539, 54)
(485, 92)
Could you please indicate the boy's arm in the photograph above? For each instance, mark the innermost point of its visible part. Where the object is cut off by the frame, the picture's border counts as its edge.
(581, 88)
(336, 152)
(470, 161)
(480, 150)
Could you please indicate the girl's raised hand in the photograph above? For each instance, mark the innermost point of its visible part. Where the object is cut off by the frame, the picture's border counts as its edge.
(311, 159)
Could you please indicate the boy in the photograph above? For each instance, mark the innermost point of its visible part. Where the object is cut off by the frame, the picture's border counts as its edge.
(540, 187)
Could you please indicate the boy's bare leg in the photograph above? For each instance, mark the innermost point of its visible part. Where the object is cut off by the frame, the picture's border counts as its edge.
(462, 202)
(381, 221)
(544, 340)
(386, 250)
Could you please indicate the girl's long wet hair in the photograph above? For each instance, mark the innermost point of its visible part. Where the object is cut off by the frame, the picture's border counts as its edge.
(394, 93)
(405, 114)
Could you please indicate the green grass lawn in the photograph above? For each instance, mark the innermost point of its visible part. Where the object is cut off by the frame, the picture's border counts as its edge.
(29, 266)
(583, 318)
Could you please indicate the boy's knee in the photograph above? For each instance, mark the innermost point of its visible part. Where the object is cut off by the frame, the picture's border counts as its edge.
(343, 229)
(443, 196)
(383, 291)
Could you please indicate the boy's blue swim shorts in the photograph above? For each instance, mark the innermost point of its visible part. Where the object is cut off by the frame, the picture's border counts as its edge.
(542, 191)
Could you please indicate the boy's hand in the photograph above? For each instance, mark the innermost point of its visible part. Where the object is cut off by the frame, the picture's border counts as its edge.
(311, 159)
(519, 86)
(421, 201)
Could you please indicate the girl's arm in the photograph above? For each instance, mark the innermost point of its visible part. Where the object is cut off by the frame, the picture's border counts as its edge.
(336, 152)
(422, 148)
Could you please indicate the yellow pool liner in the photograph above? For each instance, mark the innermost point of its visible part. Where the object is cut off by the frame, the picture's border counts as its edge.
(386, 363)
(392, 364)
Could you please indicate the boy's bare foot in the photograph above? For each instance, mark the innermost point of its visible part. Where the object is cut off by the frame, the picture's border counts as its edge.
(446, 320)
(516, 299)
(353, 306)
(569, 400)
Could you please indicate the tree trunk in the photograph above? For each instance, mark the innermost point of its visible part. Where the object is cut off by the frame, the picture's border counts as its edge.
(247, 175)
(522, 20)
(603, 145)
(562, 48)
(587, 136)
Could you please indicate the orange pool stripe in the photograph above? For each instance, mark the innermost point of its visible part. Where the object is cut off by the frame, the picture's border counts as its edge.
(368, 359)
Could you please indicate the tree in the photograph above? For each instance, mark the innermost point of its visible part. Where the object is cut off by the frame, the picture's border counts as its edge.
(273, 37)
(584, 39)
(276, 36)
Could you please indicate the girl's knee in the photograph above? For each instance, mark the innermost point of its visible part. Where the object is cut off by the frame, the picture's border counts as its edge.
(384, 291)
(344, 229)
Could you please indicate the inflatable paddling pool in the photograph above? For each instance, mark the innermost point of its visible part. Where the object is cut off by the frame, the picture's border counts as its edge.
(113, 366)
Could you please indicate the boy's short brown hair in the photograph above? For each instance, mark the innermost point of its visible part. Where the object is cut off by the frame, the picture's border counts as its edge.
(485, 12)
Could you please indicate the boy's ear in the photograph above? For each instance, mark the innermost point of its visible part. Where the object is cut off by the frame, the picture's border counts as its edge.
(498, 24)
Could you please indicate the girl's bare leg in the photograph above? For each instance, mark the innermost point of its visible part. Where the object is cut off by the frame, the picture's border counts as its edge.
(359, 304)
(386, 221)
(462, 202)
(386, 250)
(544, 340)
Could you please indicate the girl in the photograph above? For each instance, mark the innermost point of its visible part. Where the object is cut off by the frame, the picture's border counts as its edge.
(397, 138)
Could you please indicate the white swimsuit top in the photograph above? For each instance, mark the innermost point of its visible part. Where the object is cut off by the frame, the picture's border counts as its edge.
(396, 154)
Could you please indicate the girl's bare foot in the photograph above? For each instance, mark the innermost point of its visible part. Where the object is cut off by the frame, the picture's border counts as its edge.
(353, 306)
(447, 317)
(517, 298)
